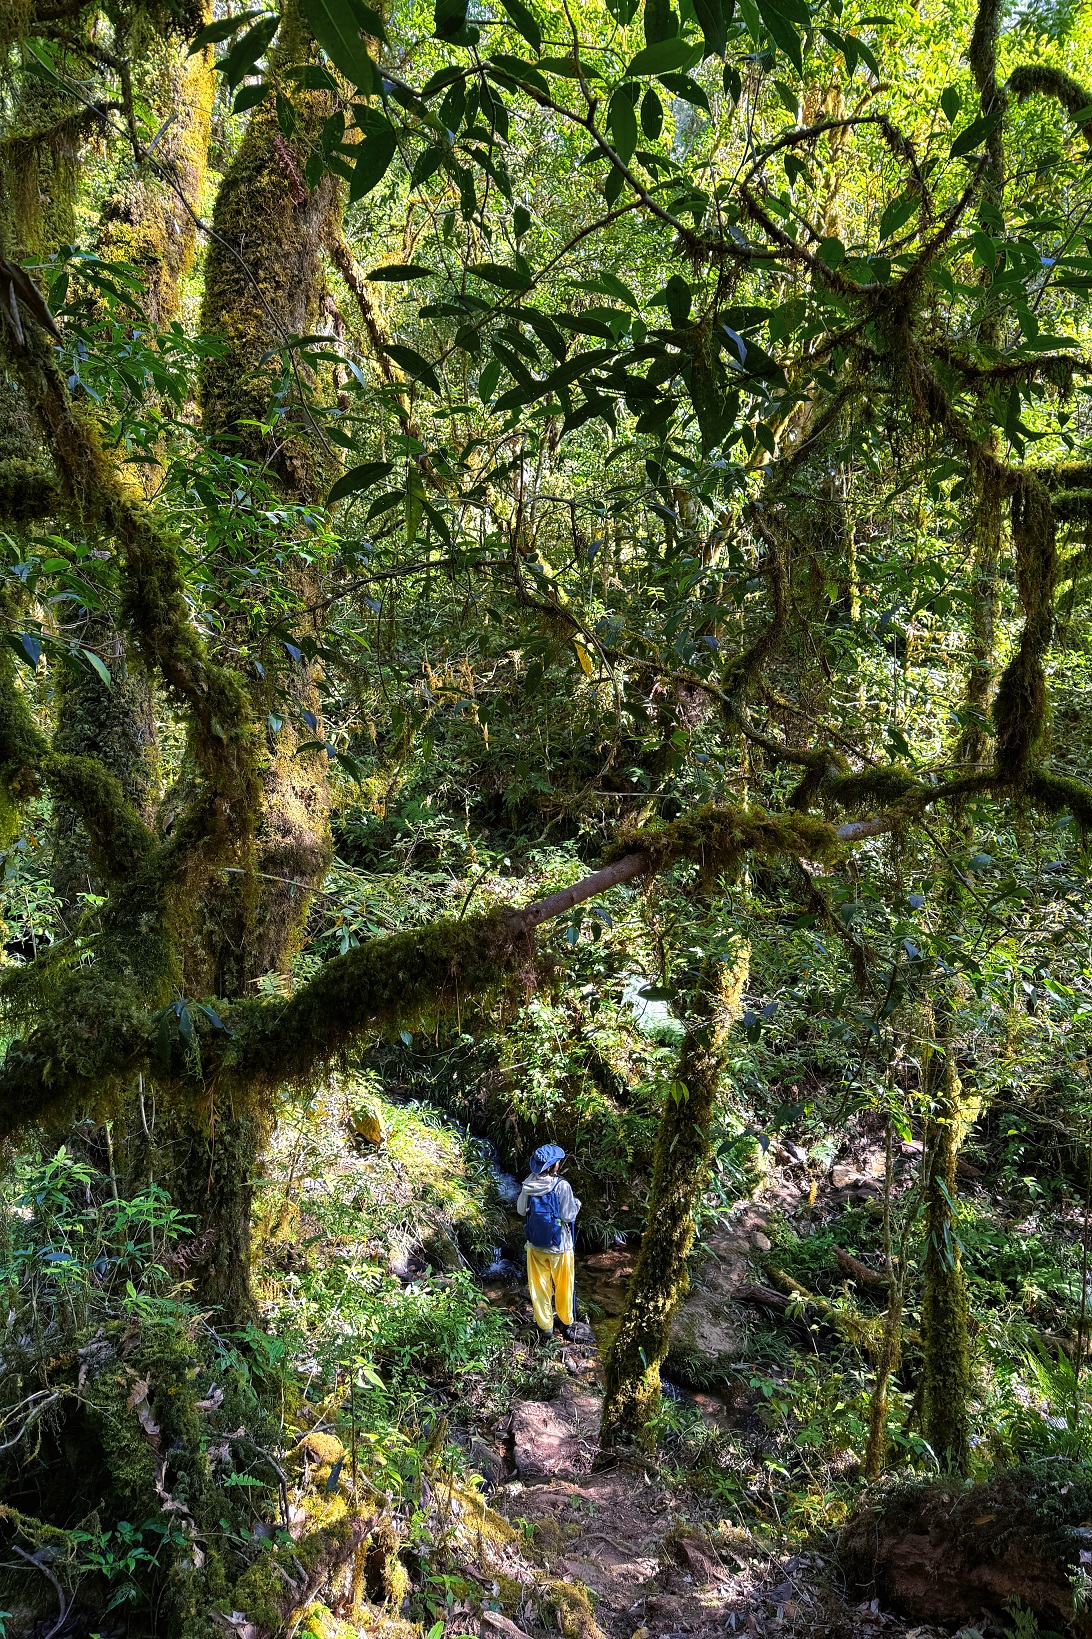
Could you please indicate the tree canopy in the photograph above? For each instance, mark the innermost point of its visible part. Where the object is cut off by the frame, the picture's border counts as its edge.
(494, 494)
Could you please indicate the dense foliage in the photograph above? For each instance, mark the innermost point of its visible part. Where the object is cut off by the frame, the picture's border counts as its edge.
(445, 453)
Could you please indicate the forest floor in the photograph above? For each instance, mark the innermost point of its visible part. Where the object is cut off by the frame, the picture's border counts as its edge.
(663, 1553)
(657, 1559)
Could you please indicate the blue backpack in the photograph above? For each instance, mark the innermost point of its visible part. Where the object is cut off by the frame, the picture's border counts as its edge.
(544, 1222)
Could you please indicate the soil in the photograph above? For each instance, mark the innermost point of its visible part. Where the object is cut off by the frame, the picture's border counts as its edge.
(657, 1562)
(944, 1554)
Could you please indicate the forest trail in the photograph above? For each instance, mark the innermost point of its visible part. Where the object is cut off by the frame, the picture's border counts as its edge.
(658, 1559)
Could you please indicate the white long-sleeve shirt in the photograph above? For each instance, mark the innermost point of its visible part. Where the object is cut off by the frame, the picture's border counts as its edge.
(541, 1183)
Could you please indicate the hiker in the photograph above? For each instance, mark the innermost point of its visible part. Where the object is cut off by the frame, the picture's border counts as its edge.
(548, 1204)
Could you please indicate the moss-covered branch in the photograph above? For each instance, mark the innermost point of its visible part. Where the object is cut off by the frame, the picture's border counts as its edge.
(1043, 80)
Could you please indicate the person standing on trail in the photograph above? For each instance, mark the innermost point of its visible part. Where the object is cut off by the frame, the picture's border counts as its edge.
(549, 1207)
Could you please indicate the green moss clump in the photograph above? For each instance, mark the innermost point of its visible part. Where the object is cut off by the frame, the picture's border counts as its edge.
(1043, 80)
(877, 785)
(1072, 506)
(717, 838)
(1061, 794)
(27, 492)
(388, 984)
(569, 1603)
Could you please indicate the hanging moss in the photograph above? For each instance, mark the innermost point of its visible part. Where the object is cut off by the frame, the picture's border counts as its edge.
(389, 984)
(1072, 506)
(1043, 80)
(1064, 475)
(40, 163)
(1019, 708)
(1061, 794)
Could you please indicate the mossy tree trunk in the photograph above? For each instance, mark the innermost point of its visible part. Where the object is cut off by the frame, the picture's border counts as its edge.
(946, 1347)
(149, 219)
(263, 285)
(889, 1354)
(115, 724)
(680, 1171)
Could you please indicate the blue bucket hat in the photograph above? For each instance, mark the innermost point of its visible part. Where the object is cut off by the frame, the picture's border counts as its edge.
(545, 1156)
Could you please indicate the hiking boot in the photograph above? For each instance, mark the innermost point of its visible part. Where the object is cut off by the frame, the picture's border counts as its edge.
(545, 1339)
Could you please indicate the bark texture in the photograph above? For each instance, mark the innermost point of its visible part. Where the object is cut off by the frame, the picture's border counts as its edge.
(946, 1347)
(680, 1170)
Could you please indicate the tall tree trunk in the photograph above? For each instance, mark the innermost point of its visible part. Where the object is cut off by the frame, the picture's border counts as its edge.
(149, 220)
(263, 284)
(946, 1347)
(680, 1171)
(889, 1355)
(974, 743)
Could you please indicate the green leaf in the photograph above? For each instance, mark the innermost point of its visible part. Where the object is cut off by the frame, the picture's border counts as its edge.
(506, 278)
(677, 300)
(514, 68)
(832, 252)
(686, 88)
(362, 477)
(662, 57)
(784, 33)
(223, 30)
(714, 26)
(98, 665)
(337, 26)
(623, 11)
(286, 115)
(525, 22)
(951, 100)
(244, 55)
(398, 273)
(373, 157)
(975, 134)
(660, 21)
(622, 124)
(608, 284)
(521, 221)
(249, 97)
(652, 115)
(898, 213)
(412, 362)
(487, 381)
(451, 23)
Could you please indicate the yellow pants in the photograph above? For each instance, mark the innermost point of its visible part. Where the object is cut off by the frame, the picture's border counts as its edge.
(550, 1275)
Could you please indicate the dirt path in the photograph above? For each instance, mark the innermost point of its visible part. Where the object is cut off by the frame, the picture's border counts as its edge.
(658, 1560)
